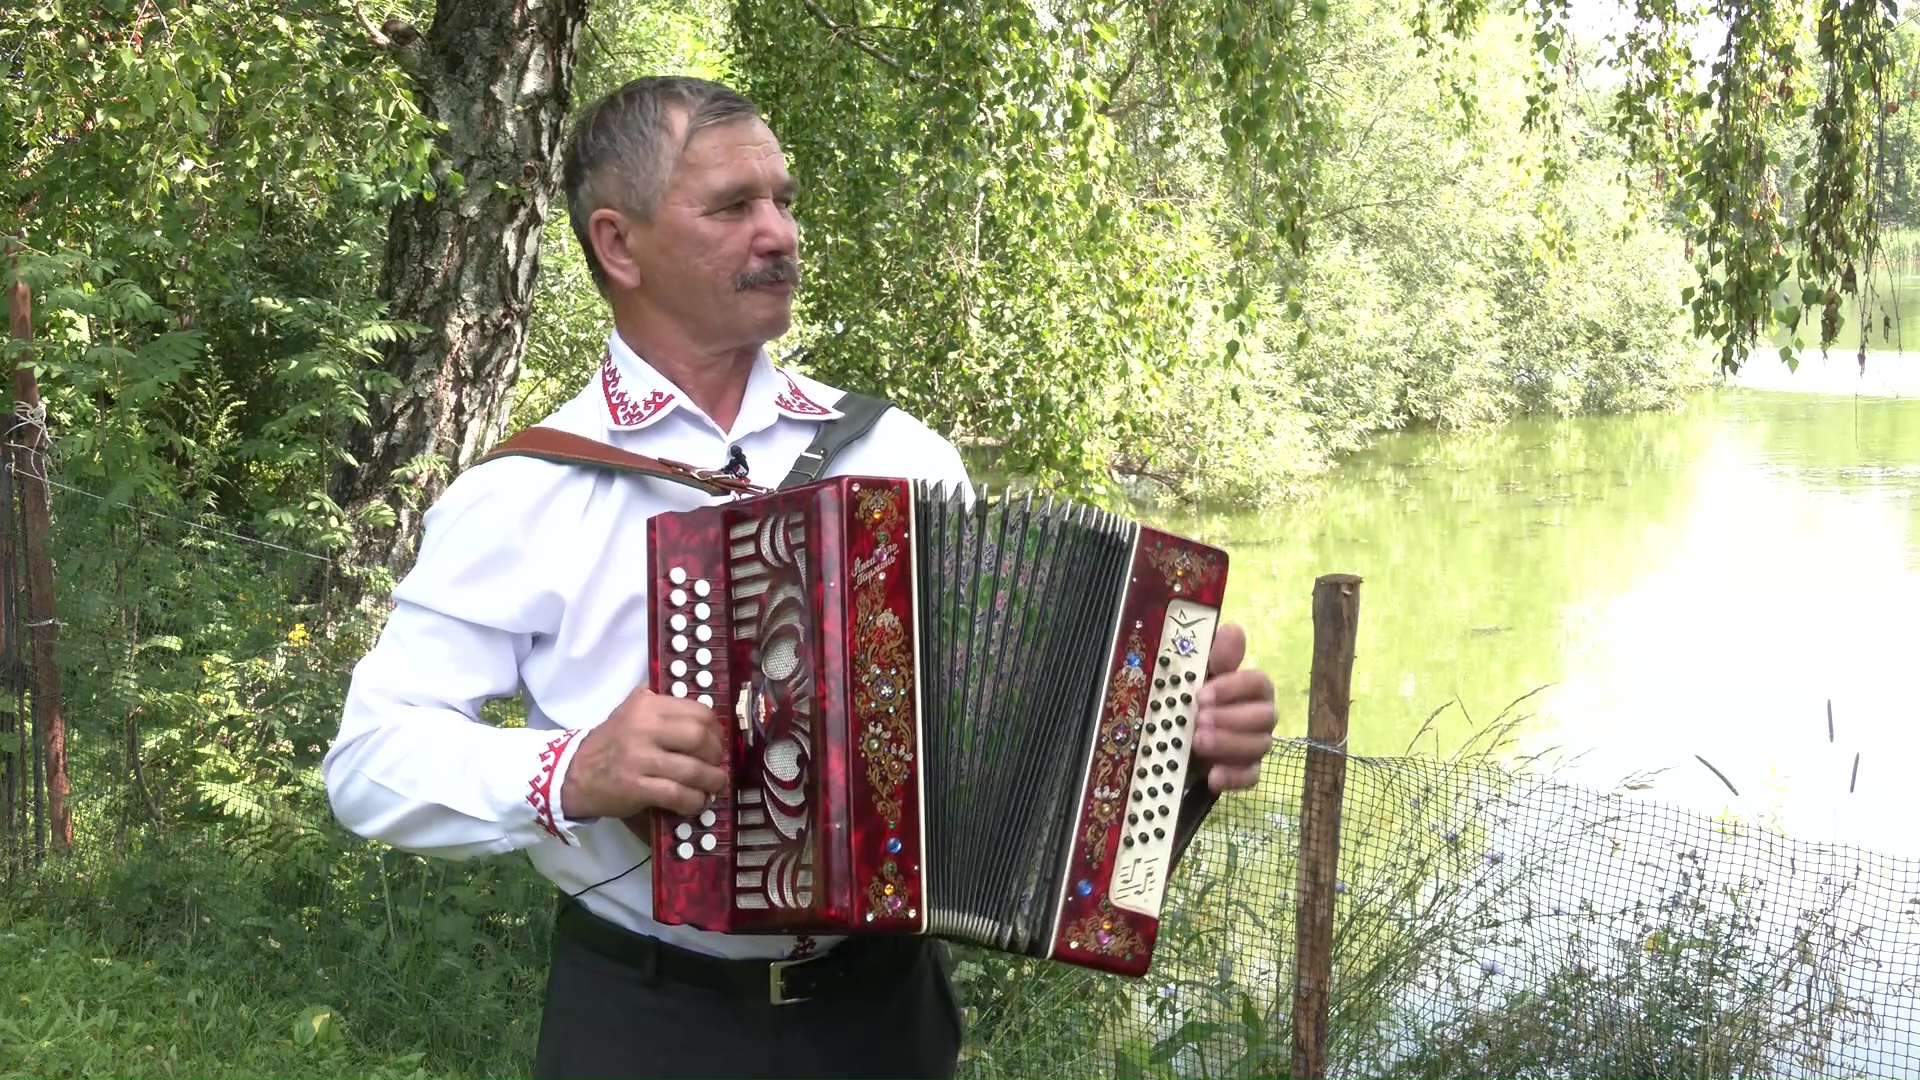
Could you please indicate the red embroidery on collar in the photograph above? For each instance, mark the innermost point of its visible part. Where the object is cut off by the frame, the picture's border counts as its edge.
(541, 797)
(795, 402)
(622, 410)
(803, 947)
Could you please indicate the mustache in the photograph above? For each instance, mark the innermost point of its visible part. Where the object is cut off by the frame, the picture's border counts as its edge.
(777, 272)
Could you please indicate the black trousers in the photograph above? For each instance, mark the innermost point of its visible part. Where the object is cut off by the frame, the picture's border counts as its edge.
(610, 1017)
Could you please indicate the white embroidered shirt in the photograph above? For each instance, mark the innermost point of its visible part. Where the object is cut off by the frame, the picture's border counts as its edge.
(531, 578)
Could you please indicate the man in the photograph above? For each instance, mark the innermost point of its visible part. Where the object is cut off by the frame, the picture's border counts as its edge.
(531, 578)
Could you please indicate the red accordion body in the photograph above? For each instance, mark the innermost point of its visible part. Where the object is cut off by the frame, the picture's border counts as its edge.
(797, 617)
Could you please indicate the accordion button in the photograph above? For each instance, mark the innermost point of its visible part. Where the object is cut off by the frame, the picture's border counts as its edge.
(704, 678)
(1166, 661)
(705, 699)
(703, 657)
(1160, 746)
(1134, 819)
(1143, 838)
(1180, 720)
(678, 596)
(1177, 743)
(701, 588)
(1168, 789)
(679, 643)
(702, 612)
(1127, 840)
(685, 850)
(677, 575)
(683, 831)
(678, 621)
(1156, 770)
(1159, 684)
(679, 689)
(1192, 676)
(704, 633)
(707, 819)
(678, 667)
(707, 842)
(1149, 817)
(1185, 699)
(1159, 834)
(1136, 796)
(1173, 766)
(1143, 774)
(1149, 729)
(1154, 704)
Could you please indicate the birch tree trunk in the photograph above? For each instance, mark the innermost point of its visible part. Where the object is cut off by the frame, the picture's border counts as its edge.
(498, 74)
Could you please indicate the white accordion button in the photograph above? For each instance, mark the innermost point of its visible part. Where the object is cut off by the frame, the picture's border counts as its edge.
(679, 597)
(679, 668)
(680, 643)
(679, 689)
(701, 588)
(683, 830)
(707, 819)
(685, 850)
(703, 657)
(700, 633)
(704, 678)
(677, 575)
(701, 611)
(706, 841)
(679, 622)
(705, 699)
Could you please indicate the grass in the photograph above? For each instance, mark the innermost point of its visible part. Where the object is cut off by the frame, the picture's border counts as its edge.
(70, 1005)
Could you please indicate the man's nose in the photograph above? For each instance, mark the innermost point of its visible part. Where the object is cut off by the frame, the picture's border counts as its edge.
(775, 233)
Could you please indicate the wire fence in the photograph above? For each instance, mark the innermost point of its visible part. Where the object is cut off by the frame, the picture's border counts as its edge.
(1485, 922)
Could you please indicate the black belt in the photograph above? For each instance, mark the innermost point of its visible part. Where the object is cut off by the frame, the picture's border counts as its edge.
(861, 966)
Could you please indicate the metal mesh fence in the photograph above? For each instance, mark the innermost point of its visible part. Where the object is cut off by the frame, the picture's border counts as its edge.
(1485, 922)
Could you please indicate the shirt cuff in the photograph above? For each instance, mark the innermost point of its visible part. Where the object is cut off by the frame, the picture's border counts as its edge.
(550, 774)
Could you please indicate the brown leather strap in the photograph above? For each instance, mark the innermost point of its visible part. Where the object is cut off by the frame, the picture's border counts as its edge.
(552, 444)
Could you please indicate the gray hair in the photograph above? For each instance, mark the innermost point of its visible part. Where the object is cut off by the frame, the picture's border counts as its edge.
(621, 153)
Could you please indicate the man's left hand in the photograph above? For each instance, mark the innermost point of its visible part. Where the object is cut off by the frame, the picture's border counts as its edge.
(1234, 728)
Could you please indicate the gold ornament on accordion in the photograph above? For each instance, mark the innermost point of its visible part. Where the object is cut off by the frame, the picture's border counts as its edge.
(948, 715)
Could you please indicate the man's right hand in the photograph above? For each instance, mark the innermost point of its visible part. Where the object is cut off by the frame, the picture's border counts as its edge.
(653, 751)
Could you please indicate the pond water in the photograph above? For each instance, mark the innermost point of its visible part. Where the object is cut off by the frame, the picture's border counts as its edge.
(1699, 584)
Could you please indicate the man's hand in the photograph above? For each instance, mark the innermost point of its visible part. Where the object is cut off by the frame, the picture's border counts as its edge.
(1234, 728)
(653, 751)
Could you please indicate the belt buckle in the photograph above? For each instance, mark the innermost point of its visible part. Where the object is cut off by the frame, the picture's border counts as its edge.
(776, 981)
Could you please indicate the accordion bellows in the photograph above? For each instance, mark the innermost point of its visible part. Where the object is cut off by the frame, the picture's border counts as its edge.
(947, 715)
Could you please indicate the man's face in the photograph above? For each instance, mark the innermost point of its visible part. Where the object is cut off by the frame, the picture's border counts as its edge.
(719, 256)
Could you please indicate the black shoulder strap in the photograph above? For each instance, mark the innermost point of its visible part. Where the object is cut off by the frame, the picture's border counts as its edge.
(858, 414)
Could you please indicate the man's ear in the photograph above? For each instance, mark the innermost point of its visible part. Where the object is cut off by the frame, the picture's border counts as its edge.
(611, 232)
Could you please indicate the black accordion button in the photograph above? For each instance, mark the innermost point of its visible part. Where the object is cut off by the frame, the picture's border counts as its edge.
(1159, 834)
(1176, 742)
(1166, 662)
(1191, 676)
(1180, 720)
(1134, 819)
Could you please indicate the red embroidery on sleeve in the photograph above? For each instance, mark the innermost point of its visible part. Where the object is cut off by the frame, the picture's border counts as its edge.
(541, 797)
(622, 410)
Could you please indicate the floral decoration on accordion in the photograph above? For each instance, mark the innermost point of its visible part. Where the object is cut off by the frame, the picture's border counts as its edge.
(883, 690)
(1124, 700)
(1105, 933)
(1184, 572)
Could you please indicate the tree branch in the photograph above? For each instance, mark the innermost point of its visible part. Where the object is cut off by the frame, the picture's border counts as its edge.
(852, 34)
(380, 40)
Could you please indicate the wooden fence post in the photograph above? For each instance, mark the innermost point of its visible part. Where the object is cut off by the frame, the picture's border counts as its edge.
(1336, 624)
(28, 455)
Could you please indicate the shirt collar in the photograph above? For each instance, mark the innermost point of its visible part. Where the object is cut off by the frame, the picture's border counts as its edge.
(636, 396)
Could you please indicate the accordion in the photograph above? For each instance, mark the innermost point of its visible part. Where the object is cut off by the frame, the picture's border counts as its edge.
(966, 717)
